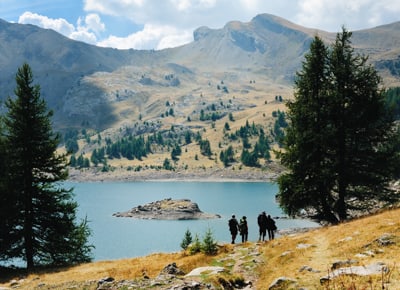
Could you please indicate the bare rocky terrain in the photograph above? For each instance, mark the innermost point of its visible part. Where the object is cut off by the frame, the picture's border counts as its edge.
(167, 209)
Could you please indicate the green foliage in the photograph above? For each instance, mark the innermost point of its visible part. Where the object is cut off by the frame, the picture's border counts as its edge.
(249, 158)
(98, 156)
(80, 162)
(195, 246)
(279, 125)
(71, 141)
(341, 144)
(188, 137)
(209, 246)
(176, 151)
(393, 101)
(45, 230)
(213, 116)
(167, 164)
(130, 147)
(227, 156)
(187, 240)
(226, 127)
(205, 148)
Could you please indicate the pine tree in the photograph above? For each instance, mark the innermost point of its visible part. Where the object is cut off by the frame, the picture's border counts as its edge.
(45, 230)
(365, 150)
(187, 240)
(308, 182)
(340, 143)
(8, 210)
(209, 246)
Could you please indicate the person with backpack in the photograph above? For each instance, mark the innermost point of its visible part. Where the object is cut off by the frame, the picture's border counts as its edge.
(262, 224)
(233, 227)
(244, 230)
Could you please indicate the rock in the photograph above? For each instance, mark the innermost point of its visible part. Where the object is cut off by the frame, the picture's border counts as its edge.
(385, 240)
(205, 270)
(373, 269)
(102, 283)
(340, 264)
(304, 246)
(168, 209)
(172, 269)
(309, 269)
(281, 282)
(14, 284)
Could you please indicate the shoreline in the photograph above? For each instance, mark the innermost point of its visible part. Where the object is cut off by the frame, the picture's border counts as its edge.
(211, 175)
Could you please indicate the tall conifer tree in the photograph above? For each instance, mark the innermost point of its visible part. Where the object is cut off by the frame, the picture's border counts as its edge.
(45, 229)
(341, 143)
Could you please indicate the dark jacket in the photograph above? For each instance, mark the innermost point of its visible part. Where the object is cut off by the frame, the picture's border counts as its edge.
(262, 221)
(233, 225)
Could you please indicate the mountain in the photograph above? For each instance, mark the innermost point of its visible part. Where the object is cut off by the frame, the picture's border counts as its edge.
(99, 88)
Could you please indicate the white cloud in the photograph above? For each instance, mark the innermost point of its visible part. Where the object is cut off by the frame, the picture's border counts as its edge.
(60, 25)
(83, 35)
(168, 23)
(85, 30)
(151, 37)
(93, 22)
(331, 15)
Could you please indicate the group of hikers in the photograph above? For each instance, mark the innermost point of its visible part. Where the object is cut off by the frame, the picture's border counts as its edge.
(265, 224)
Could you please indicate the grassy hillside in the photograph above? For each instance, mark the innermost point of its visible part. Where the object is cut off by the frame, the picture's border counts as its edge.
(303, 257)
(236, 99)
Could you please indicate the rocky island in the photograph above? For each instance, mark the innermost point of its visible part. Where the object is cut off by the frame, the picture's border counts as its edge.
(168, 209)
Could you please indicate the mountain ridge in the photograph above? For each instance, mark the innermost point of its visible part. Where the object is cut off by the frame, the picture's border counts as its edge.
(268, 49)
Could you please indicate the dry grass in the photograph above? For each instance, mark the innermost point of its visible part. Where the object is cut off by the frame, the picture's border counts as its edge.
(286, 256)
(319, 249)
(122, 269)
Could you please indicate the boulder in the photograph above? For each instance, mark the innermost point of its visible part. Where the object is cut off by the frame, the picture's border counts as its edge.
(372, 269)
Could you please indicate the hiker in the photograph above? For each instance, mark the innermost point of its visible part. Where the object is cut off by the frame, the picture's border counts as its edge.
(233, 227)
(244, 230)
(271, 227)
(262, 224)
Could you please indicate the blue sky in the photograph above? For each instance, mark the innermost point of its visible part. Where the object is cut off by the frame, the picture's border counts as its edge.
(158, 24)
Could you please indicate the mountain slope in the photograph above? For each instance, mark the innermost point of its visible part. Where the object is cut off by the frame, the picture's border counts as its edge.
(104, 87)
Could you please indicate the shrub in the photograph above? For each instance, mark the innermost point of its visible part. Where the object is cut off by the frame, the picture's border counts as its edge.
(187, 240)
(209, 246)
(195, 247)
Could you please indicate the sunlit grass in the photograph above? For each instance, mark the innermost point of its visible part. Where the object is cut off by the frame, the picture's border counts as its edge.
(305, 257)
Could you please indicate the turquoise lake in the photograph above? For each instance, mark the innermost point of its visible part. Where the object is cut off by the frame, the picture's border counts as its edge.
(116, 237)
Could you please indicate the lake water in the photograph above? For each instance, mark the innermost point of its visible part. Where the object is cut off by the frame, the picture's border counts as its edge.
(116, 238)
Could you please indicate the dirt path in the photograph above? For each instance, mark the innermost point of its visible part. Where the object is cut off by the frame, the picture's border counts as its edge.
(321, 252)
(247, 258)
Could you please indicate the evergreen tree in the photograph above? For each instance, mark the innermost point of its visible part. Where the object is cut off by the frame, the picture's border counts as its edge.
(45, 230)
(340, 143)
(8, 205)
(187, 240)
(205, 148)
(227, 156)
(176, 151)
(188, 137)
(307, 183)
(209, 246)
(364, 147)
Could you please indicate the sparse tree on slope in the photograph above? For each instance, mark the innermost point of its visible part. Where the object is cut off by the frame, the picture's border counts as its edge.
(340, 143)
(45, 229)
